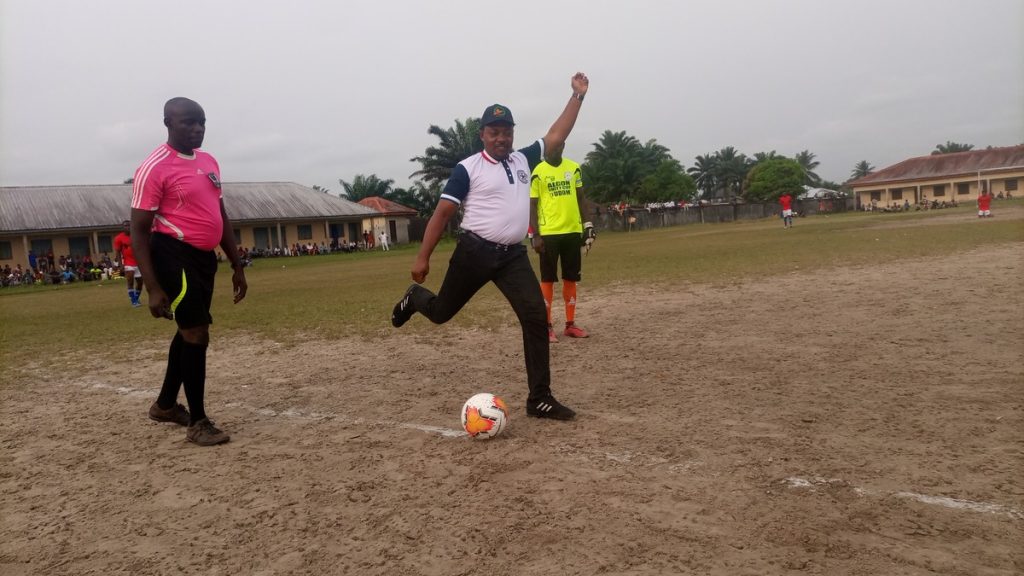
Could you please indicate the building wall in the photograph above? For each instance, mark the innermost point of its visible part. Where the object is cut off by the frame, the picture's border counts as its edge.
(377, 224)
(271, 234)
(926, 190)
(17, 252)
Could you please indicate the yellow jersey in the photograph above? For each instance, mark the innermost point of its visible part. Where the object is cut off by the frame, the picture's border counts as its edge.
(555, 188)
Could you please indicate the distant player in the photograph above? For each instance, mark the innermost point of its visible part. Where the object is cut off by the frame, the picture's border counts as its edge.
(556, 205)
(985, 205)
(786, 201)
(129, 267)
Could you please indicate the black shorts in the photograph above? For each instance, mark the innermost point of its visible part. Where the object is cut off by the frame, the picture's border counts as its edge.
(564, 246)
(186, 274)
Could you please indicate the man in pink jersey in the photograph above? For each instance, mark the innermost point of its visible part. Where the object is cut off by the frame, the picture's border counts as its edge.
(178, 218)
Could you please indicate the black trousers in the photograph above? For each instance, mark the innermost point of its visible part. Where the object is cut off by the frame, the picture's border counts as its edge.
(476, 262)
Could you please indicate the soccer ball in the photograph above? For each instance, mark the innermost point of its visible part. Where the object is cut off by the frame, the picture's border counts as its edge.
(484, 416)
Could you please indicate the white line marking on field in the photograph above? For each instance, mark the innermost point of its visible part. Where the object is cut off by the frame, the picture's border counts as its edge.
(963, 504)
(623, 458)
(955, 503)
(293, 412)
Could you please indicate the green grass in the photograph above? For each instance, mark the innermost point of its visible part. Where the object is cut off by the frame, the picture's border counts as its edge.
(351, 295)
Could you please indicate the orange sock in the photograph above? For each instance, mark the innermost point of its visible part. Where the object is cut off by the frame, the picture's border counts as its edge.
(548, 290)
(569, 295)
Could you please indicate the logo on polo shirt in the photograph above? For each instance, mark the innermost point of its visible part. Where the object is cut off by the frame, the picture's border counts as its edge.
(523, 177)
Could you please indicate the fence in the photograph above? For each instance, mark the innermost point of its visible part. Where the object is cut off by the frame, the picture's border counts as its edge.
(641, 218)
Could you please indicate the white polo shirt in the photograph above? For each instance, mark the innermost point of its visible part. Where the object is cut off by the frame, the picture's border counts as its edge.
(495, 194)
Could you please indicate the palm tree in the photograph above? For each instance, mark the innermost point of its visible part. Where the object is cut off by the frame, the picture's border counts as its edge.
(806, 161)
(457, 143)
(762, 156)
(730, 170)
(654, 153)
(861, 169)
(613, 166)
(419, 196)
(950, 147)
(703, 172)
(365, 187)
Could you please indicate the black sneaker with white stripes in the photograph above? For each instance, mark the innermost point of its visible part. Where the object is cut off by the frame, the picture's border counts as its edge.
(549, 408)
(404, 309)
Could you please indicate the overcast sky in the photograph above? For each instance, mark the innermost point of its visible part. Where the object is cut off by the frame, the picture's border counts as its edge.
(314, 91)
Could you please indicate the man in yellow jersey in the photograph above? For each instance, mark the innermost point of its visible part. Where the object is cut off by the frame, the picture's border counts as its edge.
(556, 206)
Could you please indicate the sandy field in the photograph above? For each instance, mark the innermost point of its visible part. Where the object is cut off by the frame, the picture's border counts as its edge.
(861, 420)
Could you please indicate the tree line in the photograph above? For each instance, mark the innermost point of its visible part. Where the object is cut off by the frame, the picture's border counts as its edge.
(622, 168)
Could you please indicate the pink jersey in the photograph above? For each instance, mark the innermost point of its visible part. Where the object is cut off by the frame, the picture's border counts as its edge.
(184, 191)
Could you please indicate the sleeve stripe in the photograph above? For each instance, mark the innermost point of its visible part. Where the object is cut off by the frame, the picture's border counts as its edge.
(451, 198)
(142, 174)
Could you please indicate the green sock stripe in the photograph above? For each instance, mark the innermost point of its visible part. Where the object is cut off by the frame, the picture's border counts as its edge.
(181, 296)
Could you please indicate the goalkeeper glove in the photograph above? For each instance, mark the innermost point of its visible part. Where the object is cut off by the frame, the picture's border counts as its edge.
(589, 235)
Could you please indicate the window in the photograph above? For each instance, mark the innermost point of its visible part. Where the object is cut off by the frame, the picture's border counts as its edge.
(42, 247)
(897, 193)
(876, 195)
(305, 231)
(963, 188)
(238, 236)
(1011, 185)
(5, 251)
(78, 245)
(105, 245)
(939, 190)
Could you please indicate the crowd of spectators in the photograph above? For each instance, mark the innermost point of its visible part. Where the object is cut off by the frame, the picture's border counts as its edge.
(906, 206)
(308, 249)
(46, 269)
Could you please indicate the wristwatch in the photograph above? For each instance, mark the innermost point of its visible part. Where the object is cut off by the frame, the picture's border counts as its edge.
(578, 95)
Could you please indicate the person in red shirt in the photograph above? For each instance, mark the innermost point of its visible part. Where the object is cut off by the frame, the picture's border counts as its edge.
(786, 201)
(985, 205)
(129, 268)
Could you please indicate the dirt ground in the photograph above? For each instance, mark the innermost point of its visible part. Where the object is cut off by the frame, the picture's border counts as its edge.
(855, 421)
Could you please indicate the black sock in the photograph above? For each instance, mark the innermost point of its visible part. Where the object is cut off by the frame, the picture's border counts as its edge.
(193, 376)
(172, 377)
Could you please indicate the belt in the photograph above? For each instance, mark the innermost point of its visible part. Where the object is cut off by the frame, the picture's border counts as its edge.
(493, 245)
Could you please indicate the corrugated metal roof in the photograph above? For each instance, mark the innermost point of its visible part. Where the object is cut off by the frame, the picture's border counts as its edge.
(385, 206)
(26, 208)
(946, 165)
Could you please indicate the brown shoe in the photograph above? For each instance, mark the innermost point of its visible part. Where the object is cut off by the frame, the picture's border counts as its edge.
(178, 414)
(205, 433)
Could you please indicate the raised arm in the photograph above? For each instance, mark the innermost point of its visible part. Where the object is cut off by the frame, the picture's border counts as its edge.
(560, 130)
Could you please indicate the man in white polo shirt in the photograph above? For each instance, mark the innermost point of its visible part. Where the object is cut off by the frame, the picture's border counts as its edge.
(493, 187)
